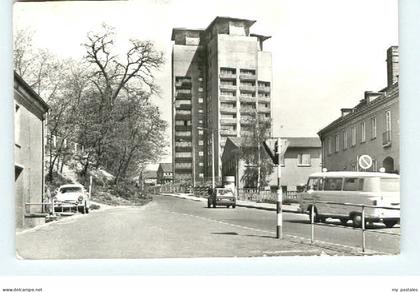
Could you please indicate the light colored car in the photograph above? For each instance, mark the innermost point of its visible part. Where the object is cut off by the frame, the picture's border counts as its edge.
(346, 191)
(221, 197)
(71, 197)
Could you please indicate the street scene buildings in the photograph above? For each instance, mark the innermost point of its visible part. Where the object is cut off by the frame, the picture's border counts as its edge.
(131, 149)
(221, 80)
(371, 127)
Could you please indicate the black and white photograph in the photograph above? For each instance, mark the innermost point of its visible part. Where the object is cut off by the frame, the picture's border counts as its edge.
(159, 129)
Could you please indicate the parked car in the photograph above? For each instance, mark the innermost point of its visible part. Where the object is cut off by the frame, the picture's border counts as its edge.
(221, 197)
(71, 197)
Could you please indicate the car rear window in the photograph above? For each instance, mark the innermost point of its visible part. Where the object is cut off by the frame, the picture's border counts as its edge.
(390, 184)
(71, 190)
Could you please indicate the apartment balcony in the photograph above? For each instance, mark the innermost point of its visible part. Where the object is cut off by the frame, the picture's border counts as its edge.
(225, 121)
(264, 88)
(386, 139)
(229, 110)
(247, 88)
(264, 110)
(183, 149)
(263, 99)
(226, 75)
(183, 96)
(228, 133)
(247, 99)
(183, 84)
(246, 133)
(183, 107)
(183, 159)
(247, 121)
(230, 87)
(227, 98)
(183, 128)
(248, 110)
(247, 76)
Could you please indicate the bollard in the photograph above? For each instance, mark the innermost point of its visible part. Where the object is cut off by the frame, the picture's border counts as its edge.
(363, 230)
(312, 223)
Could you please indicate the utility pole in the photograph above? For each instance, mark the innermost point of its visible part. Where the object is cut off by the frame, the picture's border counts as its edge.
(279, 233)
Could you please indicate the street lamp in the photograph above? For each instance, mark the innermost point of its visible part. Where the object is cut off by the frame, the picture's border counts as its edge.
(213, 182)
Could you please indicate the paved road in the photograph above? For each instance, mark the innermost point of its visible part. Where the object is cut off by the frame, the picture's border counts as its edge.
(172, 227)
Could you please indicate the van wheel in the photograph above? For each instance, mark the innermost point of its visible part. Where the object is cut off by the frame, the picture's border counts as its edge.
(390, 223)
(316, 217)
(357, 220)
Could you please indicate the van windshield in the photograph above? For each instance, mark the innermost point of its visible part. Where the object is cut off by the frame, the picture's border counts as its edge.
(390, 184)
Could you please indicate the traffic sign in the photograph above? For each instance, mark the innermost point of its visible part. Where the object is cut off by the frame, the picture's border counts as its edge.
(273, 149)
(365, 161)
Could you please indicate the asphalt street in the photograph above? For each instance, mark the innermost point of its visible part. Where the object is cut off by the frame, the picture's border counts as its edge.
(171, 227)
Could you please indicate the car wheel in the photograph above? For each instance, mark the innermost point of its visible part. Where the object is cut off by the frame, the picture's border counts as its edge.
(390, 223)
(357, 220)
(233, 206)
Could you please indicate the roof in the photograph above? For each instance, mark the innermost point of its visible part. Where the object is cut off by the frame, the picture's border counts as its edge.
(248, 22)
(260, 36)
(391, 93)
(166, 167)
(32, 93)
(354, 173)
(307, 142)
(149, 174)
(181, 29)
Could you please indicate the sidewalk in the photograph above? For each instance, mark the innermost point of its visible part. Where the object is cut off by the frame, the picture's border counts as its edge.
(293, 208)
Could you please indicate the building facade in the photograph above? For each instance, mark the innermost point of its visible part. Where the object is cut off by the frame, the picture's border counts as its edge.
(302, 158)
(222, 82)
(371, 128)
(30, 112)
(164, 173)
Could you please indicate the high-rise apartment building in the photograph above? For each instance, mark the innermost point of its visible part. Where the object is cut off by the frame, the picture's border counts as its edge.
(221, 84)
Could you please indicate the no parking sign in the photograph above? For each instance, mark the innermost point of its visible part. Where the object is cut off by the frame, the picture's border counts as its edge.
(365, 161)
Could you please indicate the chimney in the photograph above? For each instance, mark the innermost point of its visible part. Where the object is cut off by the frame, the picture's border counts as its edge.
(345, 111)
(393, 66)
(371, 95)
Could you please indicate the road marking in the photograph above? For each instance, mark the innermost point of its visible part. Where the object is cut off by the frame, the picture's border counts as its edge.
(350, 249)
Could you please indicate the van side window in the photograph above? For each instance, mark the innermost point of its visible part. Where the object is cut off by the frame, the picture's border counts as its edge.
(353, 184)
(313, 183)
(333, 184)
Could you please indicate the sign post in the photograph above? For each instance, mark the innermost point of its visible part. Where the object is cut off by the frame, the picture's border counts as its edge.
(276, 149)
(279, 233)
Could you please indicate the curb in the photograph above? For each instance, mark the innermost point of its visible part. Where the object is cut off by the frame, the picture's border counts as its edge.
(237, 204)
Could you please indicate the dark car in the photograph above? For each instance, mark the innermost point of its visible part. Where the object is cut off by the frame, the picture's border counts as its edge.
(221, 197)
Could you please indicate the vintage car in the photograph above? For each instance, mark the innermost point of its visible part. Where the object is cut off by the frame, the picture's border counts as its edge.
(221, 197)
(71, 197)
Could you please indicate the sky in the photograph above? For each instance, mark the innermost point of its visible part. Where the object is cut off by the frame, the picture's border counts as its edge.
(325, 53)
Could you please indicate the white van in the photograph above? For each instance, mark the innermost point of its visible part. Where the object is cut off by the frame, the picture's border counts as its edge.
(365, 188)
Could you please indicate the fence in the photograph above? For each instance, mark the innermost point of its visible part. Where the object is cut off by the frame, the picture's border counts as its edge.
(268, 196)
(362, 214)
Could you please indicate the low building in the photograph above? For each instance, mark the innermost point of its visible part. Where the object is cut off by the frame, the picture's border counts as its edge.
(370, 128)
(164, 173)
(149, 178)
(30, 111)
(302, 158)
